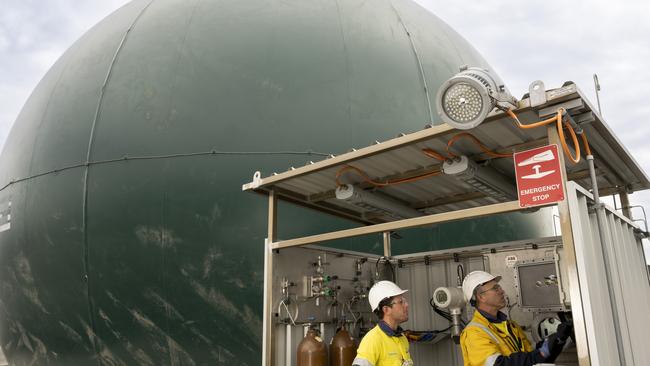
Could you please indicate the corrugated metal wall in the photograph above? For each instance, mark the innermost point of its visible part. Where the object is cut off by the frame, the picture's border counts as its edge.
(627, 276)
(421, 280)
(295, 263)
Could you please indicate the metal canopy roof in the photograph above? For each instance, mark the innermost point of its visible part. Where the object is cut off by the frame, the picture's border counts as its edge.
(314, 185)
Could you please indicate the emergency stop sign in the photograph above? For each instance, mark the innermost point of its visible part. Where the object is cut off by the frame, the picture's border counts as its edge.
(539, 178)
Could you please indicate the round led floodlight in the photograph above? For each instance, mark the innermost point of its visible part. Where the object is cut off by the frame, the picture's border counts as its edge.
(466, 99)
(464, 103)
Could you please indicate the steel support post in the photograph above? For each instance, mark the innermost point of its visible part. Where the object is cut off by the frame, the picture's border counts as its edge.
(387, 249)
(625, 203)
(267, 331)
(569, 261)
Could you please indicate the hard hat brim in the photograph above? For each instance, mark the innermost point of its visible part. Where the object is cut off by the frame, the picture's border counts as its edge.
(388, 297)
(496, 278)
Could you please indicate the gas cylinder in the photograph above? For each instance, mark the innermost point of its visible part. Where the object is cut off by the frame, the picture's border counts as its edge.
(343, 349)
(312, 350)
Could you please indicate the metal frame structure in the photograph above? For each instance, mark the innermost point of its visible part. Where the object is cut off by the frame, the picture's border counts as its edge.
(312, 186)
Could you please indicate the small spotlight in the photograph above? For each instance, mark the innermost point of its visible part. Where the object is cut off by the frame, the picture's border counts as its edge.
(482, 178)
(466, 99)
(375, 202)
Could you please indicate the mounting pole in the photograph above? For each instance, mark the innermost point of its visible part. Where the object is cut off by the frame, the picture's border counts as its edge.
(597, 87)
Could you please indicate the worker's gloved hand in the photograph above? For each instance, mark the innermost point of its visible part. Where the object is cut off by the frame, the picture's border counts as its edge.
(544, 349)
(557, 340)
(564, 331)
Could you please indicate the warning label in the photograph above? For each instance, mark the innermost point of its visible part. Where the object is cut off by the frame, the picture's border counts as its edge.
(539, 178)
(552, 187)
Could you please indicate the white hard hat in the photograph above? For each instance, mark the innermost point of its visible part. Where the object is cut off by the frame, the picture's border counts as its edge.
(475, 279)
(382, 290)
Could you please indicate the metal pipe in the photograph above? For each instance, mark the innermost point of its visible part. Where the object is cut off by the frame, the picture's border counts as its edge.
(289, 346)
(597, 87)
(456, 326)
(607, 261)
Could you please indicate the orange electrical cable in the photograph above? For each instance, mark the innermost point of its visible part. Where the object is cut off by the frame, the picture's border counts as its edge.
(477, 142)
(433, 154)
(560, 130)
(416, 178)
(366, 178)
(565, 146)
(532, 125)
(350, 167)
(585, 142)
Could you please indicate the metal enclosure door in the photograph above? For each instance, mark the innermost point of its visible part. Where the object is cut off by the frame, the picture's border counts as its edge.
(627, 277)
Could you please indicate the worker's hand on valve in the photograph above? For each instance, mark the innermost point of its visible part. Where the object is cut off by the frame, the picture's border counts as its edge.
(544, 349)
(555, 342)
(564, 331)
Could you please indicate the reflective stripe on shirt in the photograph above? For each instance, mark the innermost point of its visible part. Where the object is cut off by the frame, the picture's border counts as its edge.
(361, 362)
(486, 329)
(490, 361)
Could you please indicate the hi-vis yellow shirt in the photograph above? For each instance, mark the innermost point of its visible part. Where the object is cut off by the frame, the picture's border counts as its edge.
(380, 349)
(482, 342)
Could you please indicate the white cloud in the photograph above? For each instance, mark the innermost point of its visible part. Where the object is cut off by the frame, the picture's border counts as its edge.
(4, 42)
(33, 35)
(551, 40)
(558, 40)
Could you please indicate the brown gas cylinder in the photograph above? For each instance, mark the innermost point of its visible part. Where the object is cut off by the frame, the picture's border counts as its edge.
(312, 350)
(343, 349)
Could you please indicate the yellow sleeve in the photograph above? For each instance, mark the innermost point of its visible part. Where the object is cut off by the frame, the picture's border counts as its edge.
(527, 346)
(477, 347)
(368, 349)
(405, 346)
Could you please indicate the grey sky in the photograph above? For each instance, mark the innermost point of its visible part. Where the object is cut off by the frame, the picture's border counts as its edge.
(551, 40)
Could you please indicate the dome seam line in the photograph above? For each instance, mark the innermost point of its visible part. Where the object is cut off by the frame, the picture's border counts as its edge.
(85, 256)
(419, 62)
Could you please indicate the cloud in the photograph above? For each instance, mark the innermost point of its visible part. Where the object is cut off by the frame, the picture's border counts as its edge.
(551, 40)
(555, 41)
(33, 35)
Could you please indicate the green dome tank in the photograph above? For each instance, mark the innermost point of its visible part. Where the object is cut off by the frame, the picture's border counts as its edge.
(125, 237)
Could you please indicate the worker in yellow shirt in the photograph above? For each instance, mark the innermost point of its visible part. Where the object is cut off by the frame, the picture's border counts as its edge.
(491, 339)
(385, 344)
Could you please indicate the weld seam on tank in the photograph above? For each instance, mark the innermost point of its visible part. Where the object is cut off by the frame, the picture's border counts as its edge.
(154, 157)
(85, 258)
(347, 62)
(163, 241)
(419, 61)
(181, 47)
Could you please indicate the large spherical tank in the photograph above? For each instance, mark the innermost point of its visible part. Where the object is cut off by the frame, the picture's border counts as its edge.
(125, 237)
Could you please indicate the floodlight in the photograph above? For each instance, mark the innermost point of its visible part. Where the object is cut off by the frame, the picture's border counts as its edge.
(375, 202)
(482, 178)
(465, 100)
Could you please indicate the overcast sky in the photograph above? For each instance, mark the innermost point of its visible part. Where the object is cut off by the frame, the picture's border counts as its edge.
(551, 40)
